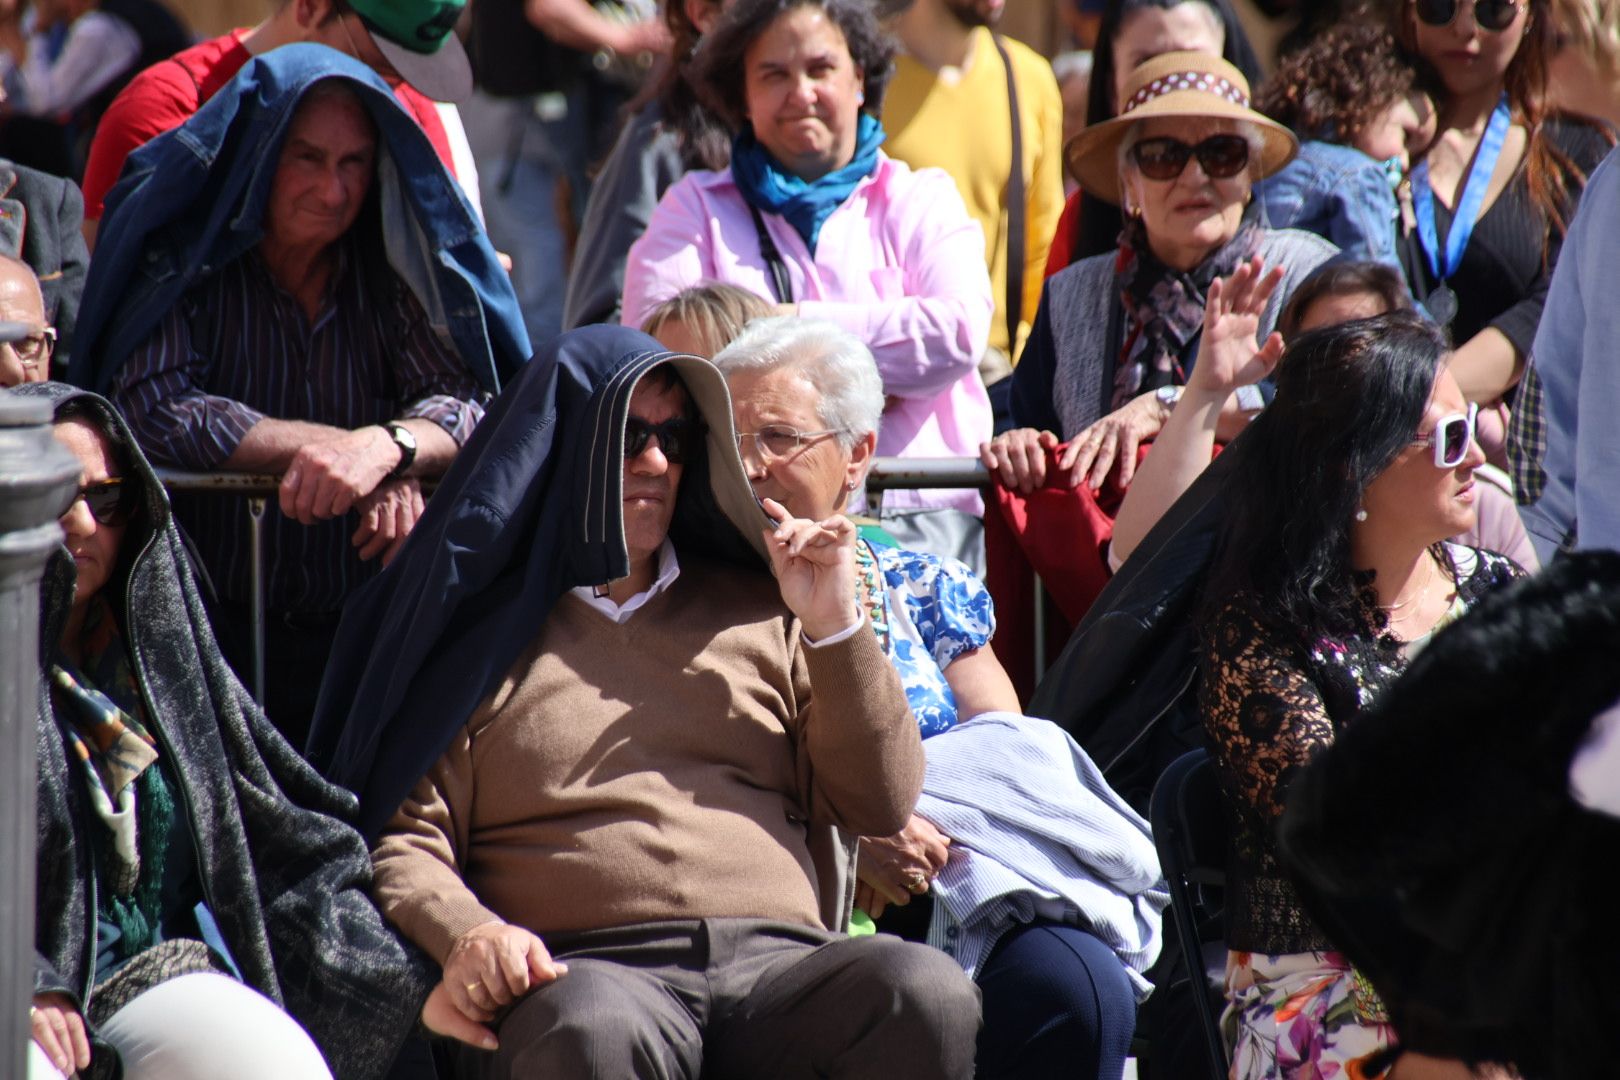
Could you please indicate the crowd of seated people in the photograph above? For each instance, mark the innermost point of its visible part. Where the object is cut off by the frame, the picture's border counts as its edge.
(602, 723)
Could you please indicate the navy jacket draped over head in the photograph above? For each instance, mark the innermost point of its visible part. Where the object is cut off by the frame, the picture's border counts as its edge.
(194, 198)
(530, 509)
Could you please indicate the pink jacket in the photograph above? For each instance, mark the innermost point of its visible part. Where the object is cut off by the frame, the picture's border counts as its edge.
(900, 264)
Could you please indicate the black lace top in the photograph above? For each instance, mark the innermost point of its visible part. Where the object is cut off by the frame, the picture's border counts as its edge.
(1269, 703)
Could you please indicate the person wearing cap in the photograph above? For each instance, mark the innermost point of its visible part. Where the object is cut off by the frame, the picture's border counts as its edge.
(1116, 334)
(410, 43)
(606, 717)
(290, 284)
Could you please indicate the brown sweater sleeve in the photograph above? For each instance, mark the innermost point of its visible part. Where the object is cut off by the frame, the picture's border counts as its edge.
(860, 755)
(417, 877)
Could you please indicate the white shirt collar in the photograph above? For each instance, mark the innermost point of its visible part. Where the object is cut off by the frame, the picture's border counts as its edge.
(669, 568)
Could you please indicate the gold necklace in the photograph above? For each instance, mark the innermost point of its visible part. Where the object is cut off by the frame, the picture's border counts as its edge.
(1423, 594)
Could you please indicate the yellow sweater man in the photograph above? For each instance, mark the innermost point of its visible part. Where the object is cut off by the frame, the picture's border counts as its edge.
(947, 107)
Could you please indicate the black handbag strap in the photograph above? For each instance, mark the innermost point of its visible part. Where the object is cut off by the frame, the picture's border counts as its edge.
(1015, 206)
(781, 284)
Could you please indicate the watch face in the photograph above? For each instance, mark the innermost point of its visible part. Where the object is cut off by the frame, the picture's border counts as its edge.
(403, 436)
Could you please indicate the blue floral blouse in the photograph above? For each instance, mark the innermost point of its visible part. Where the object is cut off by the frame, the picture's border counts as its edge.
(934, 610)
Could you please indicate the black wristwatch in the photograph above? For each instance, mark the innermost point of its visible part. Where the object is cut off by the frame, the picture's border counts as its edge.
(407, 447)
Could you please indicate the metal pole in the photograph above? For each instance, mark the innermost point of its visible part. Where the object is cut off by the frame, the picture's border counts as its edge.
(255, 508)
(37, 477)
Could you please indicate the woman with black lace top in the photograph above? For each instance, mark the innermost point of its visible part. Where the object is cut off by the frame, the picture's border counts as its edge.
(1332, 570)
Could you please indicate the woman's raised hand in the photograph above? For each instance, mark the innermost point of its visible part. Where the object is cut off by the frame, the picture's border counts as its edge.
(1229, 355)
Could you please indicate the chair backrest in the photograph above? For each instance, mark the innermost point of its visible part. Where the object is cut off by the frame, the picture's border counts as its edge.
(1189, 830)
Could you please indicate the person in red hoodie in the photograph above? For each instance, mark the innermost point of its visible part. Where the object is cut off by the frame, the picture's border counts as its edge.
(410, 43)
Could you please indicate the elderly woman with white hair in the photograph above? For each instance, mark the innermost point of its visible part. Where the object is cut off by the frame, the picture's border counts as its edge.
(1059, 987)
(1116, 334)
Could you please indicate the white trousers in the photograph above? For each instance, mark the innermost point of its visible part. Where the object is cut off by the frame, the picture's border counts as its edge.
(202, 1027)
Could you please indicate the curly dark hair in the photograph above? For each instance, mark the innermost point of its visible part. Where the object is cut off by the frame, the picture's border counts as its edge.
(1338, 84)
(1349, 398)
(717, 68)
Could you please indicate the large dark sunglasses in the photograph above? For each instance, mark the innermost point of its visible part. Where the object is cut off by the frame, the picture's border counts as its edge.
(674, 435)
(1164, 158)
(1451, 438)
(111, 502)
(1492, 15)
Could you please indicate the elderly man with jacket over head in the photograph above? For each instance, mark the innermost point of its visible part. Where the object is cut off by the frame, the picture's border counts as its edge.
(606, 756)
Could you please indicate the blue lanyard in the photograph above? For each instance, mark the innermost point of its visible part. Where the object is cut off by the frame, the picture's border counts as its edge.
(1473, 197)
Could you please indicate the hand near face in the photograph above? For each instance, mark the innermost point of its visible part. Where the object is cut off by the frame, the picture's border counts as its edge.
(326, 479)
(1229, 355)
(814, 563)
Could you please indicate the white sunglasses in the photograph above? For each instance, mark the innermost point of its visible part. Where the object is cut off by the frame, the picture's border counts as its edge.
(1451, 438)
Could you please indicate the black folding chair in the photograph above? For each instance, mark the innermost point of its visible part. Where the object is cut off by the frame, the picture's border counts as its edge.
(1189, 829)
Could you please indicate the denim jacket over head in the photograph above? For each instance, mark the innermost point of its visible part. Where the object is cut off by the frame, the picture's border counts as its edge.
(194, 198)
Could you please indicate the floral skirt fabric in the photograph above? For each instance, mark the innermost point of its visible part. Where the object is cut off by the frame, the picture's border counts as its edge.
(1300, 1016)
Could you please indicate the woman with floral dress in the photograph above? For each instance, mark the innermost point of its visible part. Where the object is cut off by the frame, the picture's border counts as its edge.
(1332, 569)
(807, 399)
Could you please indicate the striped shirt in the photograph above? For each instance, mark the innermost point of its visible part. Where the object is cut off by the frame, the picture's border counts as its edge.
(1036, 833)
(237, 349)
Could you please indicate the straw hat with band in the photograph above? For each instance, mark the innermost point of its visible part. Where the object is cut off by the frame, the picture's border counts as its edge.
(418, 38)
(1185, 85)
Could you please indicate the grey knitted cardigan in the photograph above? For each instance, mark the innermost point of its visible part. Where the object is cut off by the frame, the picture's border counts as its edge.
(1081, 299)
(284, 874)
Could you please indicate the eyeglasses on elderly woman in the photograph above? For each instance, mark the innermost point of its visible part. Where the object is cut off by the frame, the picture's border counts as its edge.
(776, 441)
(1451, 438)
(1492, 15)
(1165, 158)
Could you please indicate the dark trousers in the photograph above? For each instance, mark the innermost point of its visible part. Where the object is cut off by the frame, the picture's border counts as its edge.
(1057, 1003)
(296, 649)
(737, 998)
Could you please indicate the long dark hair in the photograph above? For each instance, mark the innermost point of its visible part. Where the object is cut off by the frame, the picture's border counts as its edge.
(1349, 399)
(1099, 222)
(717, 69)
(703, 139)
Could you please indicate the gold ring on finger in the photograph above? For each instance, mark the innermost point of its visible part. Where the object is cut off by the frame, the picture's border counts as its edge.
(474, 986)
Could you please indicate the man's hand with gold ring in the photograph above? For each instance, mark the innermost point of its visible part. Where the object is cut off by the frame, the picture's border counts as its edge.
(503, 961)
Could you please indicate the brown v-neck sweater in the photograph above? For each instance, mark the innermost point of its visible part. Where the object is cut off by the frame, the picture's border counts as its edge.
(662, 768)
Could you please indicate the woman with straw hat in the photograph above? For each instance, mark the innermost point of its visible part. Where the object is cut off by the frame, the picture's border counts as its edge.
(1115, 334)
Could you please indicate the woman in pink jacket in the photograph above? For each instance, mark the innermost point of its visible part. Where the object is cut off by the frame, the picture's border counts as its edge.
(813, 215)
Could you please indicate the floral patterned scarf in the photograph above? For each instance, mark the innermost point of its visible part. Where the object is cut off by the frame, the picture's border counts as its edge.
(1165, 306)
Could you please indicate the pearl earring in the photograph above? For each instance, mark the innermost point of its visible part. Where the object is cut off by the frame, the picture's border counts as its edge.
(1361, 514)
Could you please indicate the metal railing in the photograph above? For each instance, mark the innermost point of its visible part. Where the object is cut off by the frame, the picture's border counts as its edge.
(886, 474)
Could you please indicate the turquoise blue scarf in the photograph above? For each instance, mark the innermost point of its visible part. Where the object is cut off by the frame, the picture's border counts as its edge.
(806, 204)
